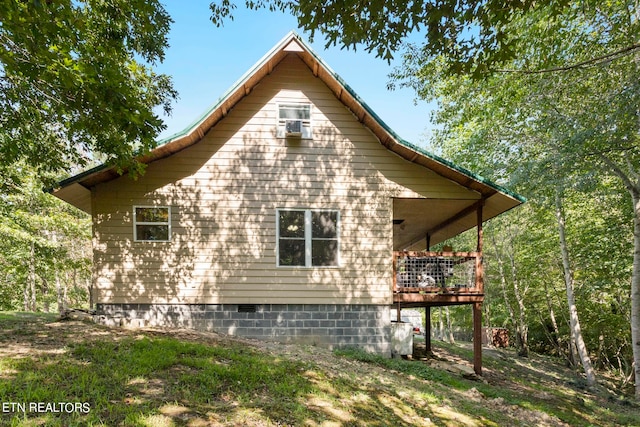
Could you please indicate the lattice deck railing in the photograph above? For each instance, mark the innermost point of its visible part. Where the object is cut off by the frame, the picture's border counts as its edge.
(416, 272)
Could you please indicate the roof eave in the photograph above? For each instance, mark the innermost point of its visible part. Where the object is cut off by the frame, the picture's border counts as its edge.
(393, 141)
(387, 137)
(198, 128)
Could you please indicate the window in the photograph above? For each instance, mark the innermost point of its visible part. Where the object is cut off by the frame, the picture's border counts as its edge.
(308, 238)
(294, 113)
(151, 223)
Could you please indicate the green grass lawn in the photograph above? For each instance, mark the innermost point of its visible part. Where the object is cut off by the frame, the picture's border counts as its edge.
(80, 374)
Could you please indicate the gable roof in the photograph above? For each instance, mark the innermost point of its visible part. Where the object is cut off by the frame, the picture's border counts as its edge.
(76, 189)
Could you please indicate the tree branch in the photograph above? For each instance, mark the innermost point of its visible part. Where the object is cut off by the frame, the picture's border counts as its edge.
(620, 173)
(609, 150)
(593, 61)
(632, 171)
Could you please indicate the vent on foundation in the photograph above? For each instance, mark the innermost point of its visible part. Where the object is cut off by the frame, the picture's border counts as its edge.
(246, 308)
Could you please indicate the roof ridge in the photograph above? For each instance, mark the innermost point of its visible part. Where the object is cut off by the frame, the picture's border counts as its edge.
(282, 44)
(193, 125)
(401, 140)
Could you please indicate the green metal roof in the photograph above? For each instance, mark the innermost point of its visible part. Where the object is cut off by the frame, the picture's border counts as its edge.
(293, 35)
(397, 137)
(257, 66)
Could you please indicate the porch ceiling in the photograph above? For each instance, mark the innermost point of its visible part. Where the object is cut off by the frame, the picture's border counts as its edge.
(441, 218)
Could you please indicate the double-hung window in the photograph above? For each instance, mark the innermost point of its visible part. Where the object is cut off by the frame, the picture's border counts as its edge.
(308, 238)
(294, 120)
(151, 223)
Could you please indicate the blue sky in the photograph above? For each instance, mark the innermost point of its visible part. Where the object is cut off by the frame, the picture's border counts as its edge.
(205, 61)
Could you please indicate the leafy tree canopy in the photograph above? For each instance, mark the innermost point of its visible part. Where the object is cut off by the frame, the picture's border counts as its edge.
(76, 80)
(473, 36)
(573, 116)
(560, 122)
(466, 32)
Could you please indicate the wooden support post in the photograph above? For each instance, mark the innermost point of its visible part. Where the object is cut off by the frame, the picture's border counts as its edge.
(427, 325)
(479, 223)
(477, 338)
(394, 263)
(399, 312)
(479, 267)
(479, 274)
(477, 307)
(428, 242)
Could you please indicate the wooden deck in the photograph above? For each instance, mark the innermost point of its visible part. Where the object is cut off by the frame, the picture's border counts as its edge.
(422, 279)
(433, 279)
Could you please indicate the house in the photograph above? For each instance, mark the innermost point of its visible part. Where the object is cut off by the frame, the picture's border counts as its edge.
(276, 215)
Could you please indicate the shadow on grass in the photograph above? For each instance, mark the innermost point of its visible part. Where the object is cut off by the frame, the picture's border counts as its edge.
(151, 378)
(149, 381)
(127, 381)
(520, 389)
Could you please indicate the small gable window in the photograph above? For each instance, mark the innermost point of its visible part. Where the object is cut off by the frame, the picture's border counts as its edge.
(151, 223)
(308, 238)
(294, 121)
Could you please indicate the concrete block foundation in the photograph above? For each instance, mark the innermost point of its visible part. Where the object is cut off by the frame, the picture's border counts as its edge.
(333, 326)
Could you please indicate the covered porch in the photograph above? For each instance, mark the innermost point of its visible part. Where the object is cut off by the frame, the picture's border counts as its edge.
(425, 278)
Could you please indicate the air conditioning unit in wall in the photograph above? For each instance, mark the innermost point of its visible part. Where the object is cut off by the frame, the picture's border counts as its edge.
(293, 128)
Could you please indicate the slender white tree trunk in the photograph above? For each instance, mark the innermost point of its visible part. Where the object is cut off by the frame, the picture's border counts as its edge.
(505, 295)
(635, 291)
(522, 310)
(59, 293)
(30, 292)
(519, 323)
(574, 321)
(555, 338)
(633, 185)
(631, 180)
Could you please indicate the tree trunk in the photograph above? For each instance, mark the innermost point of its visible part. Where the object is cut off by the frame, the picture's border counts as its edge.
(507, 302)
(25, 295)
(635, 275)
(519, 324)
(523, 326)
(555, 338)
(576, 332)
(90, 290)
(45, 296)
(449, 325)
(31, 281)
(635, 290)
(631, 181)
(60, 296)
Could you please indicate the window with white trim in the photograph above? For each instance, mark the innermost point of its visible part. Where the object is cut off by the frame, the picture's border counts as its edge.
(294, 120)
(308, 238)
(151, 223)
